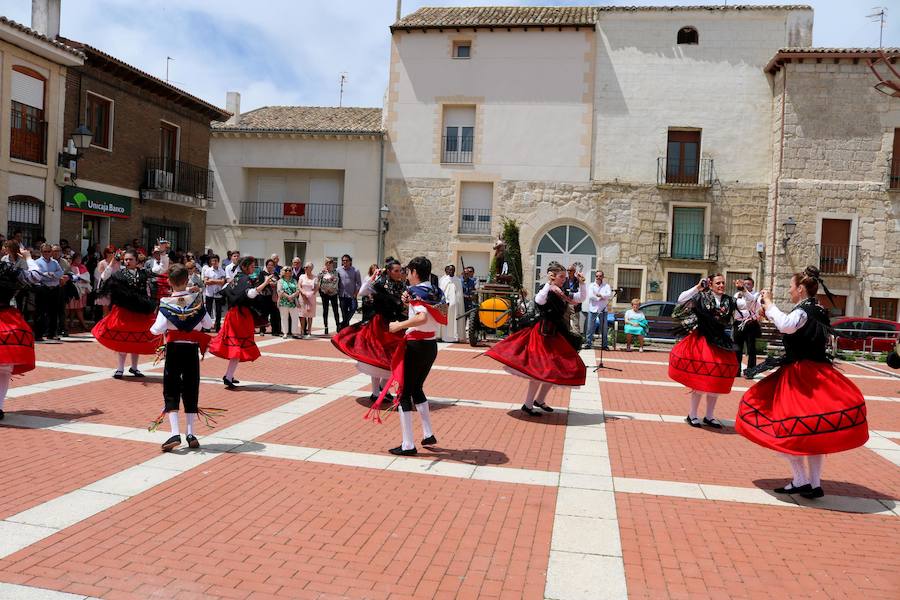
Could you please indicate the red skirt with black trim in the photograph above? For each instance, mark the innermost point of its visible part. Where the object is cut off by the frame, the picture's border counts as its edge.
(701, 366)
(123, 330)
(804, 408)
(548, 358)
(235, 339)
(16, 341)
(369, 342)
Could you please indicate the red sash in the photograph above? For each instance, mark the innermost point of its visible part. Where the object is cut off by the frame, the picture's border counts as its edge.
(396, 373)
(197, 337)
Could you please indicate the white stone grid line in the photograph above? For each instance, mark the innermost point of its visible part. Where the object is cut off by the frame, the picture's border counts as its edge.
(12, 591)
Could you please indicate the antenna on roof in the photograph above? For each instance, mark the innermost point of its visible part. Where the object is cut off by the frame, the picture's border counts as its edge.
(343, 81)
(168, 58)
(878, 15)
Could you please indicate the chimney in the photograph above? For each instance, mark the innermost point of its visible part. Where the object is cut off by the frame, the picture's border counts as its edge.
(233, 105)
(45, 17)
(399, 9)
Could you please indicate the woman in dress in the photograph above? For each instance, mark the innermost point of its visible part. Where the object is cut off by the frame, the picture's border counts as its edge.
(807, 408)
(704, 361)
(75, 306)
(328, 291)
(126, 329)
(308, 285)
(16, 337)
(287, 301)
(546, 352)
(107, 264)
(635, 325)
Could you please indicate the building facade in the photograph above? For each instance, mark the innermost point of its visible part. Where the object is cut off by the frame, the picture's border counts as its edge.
(33, 69)
(836, 174)
(146, 174)
(298, 182)
(633, 140)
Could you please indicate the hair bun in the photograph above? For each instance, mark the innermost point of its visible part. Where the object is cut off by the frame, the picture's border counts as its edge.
(811, 271)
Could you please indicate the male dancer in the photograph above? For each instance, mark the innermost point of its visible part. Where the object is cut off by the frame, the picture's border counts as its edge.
(181, 317)
(415, 355)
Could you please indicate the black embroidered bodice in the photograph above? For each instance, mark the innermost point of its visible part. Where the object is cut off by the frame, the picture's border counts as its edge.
(810, 341)
(128, 289)
(386, 299)
(702, 313)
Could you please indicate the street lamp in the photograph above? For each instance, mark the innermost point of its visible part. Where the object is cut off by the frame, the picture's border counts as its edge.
(790, 229)
(82, 137)
(79, 141)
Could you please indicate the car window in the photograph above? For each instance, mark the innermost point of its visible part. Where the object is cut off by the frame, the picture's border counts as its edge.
(879, 326)
(667, 309)
(651, 310)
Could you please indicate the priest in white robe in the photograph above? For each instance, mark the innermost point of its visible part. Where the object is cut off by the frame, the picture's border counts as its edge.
(452, 287)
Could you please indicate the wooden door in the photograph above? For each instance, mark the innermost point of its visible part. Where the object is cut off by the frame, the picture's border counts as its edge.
(168, 146)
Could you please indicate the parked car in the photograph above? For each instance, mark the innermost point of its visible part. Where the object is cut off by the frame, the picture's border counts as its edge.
(865, 333)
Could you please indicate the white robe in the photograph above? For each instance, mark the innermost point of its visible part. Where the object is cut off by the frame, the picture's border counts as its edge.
(453, 292)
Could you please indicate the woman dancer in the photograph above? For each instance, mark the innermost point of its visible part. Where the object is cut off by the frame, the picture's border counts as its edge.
(16, 337)
(308, 285)
(807, 408)
(547, 351)
(704, 361)
(126, 329)
(369, 341)
(235, 342)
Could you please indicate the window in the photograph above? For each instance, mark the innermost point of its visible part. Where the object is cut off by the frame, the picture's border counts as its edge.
(838, 308)
(177, 234)
(459, 134)
(653, 310)
(475, 201)
(679, 281)
(26, 213)
(462, 49)
(683, 157)
(28, 130)
(688, 35)
(628, 282)
(883, 308)
(566, 244)
(688, 236)
(294, 250)
(98, 118)
(168, 145)
(732, 276)
(894, 182)
(834, 249)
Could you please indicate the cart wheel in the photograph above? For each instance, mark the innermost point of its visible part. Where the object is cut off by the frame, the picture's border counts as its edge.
(473, 326)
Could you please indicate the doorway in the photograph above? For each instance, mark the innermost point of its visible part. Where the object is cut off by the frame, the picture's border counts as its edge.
(94, 232)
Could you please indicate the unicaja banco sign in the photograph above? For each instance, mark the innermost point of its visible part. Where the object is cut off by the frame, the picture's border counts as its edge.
(96, 203)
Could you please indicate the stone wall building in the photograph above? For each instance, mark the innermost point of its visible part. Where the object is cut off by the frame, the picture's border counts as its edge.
(836, 173)
(633, 140)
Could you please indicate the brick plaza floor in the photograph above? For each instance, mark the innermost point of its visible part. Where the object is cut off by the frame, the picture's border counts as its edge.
(293, 494)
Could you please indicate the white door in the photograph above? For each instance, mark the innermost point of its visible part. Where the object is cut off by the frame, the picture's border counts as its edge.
(566, 244)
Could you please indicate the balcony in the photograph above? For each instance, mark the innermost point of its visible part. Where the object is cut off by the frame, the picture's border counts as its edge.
(292, 214)
(475, 221)
(677, 174)
(688, 246)
(458, 149)
(178, 182)
(27, 136)
(837, 259)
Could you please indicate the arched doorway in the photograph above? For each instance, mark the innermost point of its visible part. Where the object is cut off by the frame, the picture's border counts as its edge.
(565, 244)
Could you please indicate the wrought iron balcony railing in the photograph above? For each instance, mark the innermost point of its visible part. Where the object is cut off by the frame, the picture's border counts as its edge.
(837, 259)
(690, 174)
(688, 246)
(457, 149)
(475, 220)
(292, 214)
(179, 177)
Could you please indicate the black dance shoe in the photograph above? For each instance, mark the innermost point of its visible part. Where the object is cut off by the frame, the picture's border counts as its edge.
(429, 441)
(192, 441)
(813, 493)
(544, 407)
(118, 375)
(714, 423)
(135, 373)
(695, 422)
(171, 443)
(229, 383)
(399, 451)
(530, 411)
(790, 489)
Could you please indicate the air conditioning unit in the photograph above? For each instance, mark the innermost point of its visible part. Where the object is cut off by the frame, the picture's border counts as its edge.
(157, 179)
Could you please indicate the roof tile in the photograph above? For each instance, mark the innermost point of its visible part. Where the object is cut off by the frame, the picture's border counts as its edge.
(308, 119)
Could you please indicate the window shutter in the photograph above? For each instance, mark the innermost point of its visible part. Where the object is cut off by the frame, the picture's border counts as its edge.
(27, 90)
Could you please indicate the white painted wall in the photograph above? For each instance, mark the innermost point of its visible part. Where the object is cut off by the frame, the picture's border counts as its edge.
(646, 83)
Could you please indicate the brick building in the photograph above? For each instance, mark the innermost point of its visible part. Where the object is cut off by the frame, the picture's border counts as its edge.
(146, 173)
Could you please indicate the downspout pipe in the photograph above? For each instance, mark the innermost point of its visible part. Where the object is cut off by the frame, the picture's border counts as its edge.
(380, 225)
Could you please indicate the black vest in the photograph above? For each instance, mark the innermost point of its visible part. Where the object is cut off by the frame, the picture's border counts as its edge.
(810, 341)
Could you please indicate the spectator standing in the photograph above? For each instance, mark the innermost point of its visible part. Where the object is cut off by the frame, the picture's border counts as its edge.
(195, 279)
(470, 285)
(308, 286)
(746, 323)
(231, 269)
(47, 295)
(213, 280)
(348, 289)
(287, 301)
(65, 290)
(277, 260)
(328, 291)
(599, 295)
(82, 281)
(109, 262)
(270, 307)
(16, 257)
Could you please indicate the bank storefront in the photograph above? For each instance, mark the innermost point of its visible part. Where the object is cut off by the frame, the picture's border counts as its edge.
(88, 216)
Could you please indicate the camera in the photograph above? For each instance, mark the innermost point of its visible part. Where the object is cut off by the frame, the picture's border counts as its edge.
(704, 284)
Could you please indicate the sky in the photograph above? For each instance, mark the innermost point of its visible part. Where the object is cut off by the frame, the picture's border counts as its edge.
(292, 52)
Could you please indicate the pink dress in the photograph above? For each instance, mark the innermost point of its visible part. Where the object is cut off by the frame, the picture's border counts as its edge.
(307, 300)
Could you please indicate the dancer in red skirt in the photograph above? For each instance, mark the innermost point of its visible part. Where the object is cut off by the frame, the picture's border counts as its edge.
(126, 329)
(705, 361)
(369, 341)
(546, 352)
(235, 341)
(807, 408)
(16, 337)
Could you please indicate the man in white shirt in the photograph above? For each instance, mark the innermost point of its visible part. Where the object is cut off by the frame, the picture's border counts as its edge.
(746, 322)
(232, 268)
(599, 295)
